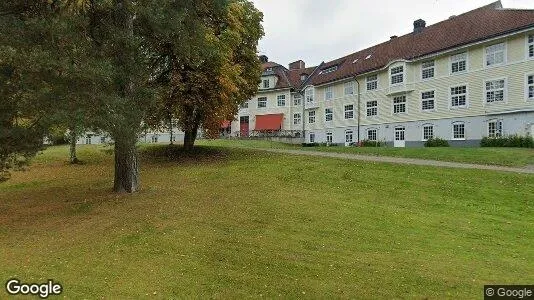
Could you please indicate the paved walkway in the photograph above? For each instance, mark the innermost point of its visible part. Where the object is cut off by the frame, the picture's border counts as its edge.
(400, 160)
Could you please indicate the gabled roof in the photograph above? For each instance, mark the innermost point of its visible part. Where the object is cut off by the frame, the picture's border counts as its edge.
(477, 25)
(286, 78)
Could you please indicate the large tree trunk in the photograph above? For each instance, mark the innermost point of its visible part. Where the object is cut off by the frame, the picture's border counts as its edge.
(72, 151)
(189, 139)
(126, 167)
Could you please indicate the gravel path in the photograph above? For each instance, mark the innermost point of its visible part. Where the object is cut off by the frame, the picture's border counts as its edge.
(401, 160)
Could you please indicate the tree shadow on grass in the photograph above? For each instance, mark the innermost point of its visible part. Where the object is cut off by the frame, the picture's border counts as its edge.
(177, 153)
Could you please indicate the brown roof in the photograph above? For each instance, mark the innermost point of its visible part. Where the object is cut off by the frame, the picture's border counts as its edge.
(477, 25)
(294, 76)
(286, 78)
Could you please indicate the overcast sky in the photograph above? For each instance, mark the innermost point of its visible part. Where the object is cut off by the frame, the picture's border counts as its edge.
(323, 30)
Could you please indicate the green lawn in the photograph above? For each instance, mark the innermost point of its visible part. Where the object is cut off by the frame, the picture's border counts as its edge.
(513, 157)
(232, 223)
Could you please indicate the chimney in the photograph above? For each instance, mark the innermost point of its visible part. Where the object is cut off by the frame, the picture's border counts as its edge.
(298, 65)
(264, 59)
(418, 26)
(393, 37)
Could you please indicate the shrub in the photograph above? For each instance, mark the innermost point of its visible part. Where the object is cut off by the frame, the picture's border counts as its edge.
(368, 143)
(308, 145)
(436, 142)
(515, 141)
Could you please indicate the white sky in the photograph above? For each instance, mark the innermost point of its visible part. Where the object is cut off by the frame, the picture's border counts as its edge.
(323, 30)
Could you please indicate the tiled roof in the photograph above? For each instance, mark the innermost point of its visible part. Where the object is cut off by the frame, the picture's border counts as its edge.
(477, 25)
(286, 78)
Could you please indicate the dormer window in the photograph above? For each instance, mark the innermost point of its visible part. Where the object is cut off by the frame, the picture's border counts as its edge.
(269, 70)
(397, 75)
(309, 95)
(303, 77)
(530, 44)
(329, 70)
(368, 56)
(266, 83)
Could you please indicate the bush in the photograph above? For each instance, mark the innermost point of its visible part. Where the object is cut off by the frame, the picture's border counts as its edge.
(515, 141)
(368, 143)
(308, 145)
(436, 142)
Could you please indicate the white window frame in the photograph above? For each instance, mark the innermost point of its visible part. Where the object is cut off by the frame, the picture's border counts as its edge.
(311, 137)
(347, 133)
(245, 104)
(454, 138)
(504, 53)
(371, 80)
(466, 96)
(326, 114)
(264, 86)
(310, 95)
(423, 69)
(346, 111)
(371, 108)
(281, 99)
(329, 70)
(391, 75)
(297, 100)
(428, 99)
(376, 134)
(529, 45)
(260, 99)
(405, 103)
(328, 93)
(504, 89)
(348, 88)
(499, 127)
(297, 118)
(329, 138)
(154, 139)
(424, 127)
(312, 117)
(452, 61)
(89, 140)
(527, 86)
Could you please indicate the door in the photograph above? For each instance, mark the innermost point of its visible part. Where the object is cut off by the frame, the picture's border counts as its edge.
(244, 126)
(349, 138)
(400, 141)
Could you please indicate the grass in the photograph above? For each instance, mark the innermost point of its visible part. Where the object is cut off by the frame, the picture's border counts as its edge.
(232, 223)
(512, 157)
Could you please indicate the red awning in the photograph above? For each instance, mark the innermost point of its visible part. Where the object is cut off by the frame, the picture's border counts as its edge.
(226, 124)
(269, 122)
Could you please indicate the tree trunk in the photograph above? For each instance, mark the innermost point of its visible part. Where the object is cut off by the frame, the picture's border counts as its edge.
(191, 136)
(171, 131)
(73, 140)
(126, 167)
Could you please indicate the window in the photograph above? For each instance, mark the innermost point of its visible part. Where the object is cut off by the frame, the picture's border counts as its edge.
(530, 87)
(428, 100)
(458, 131)
(459, 63)
(399, 104)
(372, 108)
(328, 93)
(262, 102)
(312, 137)
(329, 138)
(428, 132)
(88, 140)
(495, 90)
(495, 55)
(427, 69)
(530, 43)
(303, 77)
(397, 75)
(266, 83)
(309, 95)
(349, 88)
(328, 114)
(154, 139)
(372, 135)
(372, 82)
(495, 128)
(400, 133)
(297, 100)
(349, 137)
(329, 70)
(311, 117)
(349, 112)
(244, 104)
(297, 119)
(281, 100)
(103, 140)
(459, 96)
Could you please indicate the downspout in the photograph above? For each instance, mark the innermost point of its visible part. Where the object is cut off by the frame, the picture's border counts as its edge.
(303, 101)
(359, 106)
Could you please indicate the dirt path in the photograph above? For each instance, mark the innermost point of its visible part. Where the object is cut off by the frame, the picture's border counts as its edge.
(401, 160)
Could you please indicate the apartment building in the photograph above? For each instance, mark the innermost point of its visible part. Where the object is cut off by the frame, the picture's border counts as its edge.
(462, 79)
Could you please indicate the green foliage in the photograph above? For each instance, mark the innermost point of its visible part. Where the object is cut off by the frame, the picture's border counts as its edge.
(515, 141)
(368, 143)
(437, 142)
